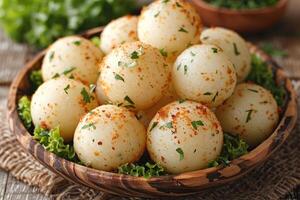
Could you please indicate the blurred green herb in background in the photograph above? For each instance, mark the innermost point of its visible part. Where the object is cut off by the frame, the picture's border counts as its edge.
(242, 4)
(272, 50)
(40, 22)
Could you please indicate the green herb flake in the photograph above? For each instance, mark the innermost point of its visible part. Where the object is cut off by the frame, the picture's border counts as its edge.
(163, 52)
(236, 51)
(118, 77)
(25, 112)
(169, 125)
(86, 96)
(178, 5)
(181, 153)
(127, 98)
(205, 38)
(185, 69)
(181, 101)
(165, 1)
(157, 14)
(88, 126)
(68, 71)
(252, 90)
(56, 75)
(154, 124)
(182, 29)
(215, 97)
(207, 93)
(67, 88)
(195, 124)
(77, 43)
(215, 50)
(178, 67)
(96, 41)
(51, 56)
(193, 54)
(249, 115)
(146, 170)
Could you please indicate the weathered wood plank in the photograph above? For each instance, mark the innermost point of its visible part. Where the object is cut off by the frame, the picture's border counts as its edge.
(3, 181)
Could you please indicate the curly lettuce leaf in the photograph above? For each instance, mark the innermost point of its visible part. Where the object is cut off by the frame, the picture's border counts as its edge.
(146, 170)
(233, 148)
(24, 111)
(53, 142)
(263, 76)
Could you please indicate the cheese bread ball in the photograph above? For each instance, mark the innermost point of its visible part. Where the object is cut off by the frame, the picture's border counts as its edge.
(61, 102)
(118, 32)
(170, 26)
(203, 73)
(72, 56)
(108, 137)
(233, 45)
(134, 75)
(251, 113)
(184, 136)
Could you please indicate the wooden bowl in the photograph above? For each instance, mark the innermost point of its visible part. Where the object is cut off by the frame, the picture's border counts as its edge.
(246, 21)
(164, 186)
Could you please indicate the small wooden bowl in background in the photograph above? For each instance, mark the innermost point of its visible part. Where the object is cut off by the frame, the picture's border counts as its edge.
(164, 186)
(244, 21)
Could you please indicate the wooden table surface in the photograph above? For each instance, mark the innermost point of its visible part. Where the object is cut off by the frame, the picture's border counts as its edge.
(12, 189)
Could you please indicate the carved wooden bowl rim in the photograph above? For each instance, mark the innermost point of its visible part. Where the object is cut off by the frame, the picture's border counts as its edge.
(169, 185)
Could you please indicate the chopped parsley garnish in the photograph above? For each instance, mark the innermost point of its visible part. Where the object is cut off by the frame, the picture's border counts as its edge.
(135, 55)
(252, 90)
(181, 101)
(205, 38)
(25, 112)
(77, 43)
(154, 124)
(87, 98)
(88, 126)
(53, 142)
(67, 71)
(185, 69)
(215, 97)
(146, 170)
(35, 79)
(56, 75)
(207, 93)
(157, 14)
(131, 103)
(193, 54)
(182, 29)
(169, 125)
(195, 124)
(262, 75)
(67, 88)
(165, 1)
(51, 56)
(178, 67)
(178, 5)
(118, 77)
(233, 148)
(163, 52)
(249, 115)
(215, 50)
(236, 51)
(181, 153)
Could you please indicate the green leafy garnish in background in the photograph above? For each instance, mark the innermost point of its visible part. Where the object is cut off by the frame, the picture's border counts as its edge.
(96, 41)
(53, 142)
(146, 170)
(40, 22)
(24, 111)
(36, 79)
(242, 4)
(263, 76)
(272, 50)
(233, 148)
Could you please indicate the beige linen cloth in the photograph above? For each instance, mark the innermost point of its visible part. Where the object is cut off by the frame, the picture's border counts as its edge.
(273, 180)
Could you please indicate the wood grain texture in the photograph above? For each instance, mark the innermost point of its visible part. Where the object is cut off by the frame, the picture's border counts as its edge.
(164, 186)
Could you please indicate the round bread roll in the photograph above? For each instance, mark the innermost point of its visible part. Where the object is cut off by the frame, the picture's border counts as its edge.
(184, 136)
(170, 26)
(118, 32)
(251, 113)
(233, 45)
(61, 103)
(134, 75)
(73, 57)
(203, 73)
(108, 137)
